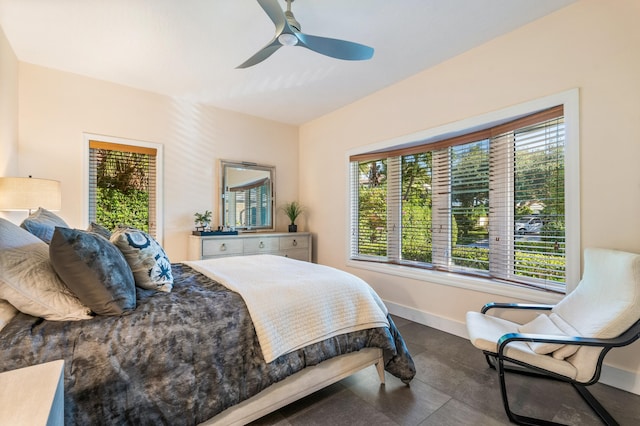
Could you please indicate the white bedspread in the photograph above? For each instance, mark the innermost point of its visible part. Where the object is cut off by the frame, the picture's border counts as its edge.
(294, 303)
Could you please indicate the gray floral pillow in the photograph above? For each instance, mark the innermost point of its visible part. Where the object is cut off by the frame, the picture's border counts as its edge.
(148, 261)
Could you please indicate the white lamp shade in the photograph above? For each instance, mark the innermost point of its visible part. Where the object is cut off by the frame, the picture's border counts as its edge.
(29, 194)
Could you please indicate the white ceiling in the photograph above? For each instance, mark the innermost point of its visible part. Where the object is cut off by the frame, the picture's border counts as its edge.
(189, 49)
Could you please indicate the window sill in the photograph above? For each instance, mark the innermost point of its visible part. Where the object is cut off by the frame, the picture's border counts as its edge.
(455, 280)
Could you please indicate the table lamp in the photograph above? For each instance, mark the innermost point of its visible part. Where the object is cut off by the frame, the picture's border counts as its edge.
(17, 193)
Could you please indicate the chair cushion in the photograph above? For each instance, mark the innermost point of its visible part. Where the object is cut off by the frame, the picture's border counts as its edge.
(605, 303)
(607, 300)
(542, 324)
(567, 350)
(486, 330)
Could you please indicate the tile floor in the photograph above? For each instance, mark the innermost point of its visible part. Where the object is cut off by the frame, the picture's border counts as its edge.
(453, 386)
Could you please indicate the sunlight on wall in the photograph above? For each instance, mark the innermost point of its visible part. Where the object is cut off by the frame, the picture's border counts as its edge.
(199, 137)
(189, 179)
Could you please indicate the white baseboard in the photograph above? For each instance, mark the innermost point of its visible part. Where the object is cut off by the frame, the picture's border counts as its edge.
(621, 379)
(457, 328)
(613, 376)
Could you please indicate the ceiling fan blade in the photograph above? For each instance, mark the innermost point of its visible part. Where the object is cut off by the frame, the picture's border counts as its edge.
(262, 54)
(276, 14)
(335, 48)
(274, 11)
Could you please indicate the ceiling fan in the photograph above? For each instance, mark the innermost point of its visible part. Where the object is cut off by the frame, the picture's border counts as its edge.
(288, 33)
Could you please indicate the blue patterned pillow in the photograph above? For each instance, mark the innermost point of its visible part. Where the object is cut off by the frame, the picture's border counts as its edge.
(148, 261)
(94, 269)
(41, 223)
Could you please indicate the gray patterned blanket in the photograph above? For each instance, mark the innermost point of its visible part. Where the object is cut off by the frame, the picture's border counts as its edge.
(179, 358)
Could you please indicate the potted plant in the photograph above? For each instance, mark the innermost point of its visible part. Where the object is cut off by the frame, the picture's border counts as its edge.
(293, 210)
(203, 220)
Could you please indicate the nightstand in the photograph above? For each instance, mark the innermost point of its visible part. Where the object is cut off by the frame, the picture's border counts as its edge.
(33, 395)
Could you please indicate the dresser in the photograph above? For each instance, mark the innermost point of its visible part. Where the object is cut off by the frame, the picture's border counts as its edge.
(296, 245)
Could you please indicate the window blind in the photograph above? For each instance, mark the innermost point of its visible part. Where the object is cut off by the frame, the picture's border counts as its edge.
(369, 208)
(457, 204)
(122, 185)
(531, 210)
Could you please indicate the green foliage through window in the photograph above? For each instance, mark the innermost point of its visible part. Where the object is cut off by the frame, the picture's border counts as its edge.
(114, 207)
(122, 184)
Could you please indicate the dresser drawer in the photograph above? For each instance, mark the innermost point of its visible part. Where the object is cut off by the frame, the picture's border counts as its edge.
(220, 247)
(298, 254)
(294, 242)
(260, 245)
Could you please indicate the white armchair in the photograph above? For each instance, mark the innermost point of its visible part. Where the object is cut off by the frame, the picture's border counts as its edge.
(569, 341)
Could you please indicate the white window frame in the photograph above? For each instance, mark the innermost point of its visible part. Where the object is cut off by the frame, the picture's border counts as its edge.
(570, 101)
(86, 137)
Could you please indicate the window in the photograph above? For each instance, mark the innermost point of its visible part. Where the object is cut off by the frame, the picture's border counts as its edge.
(123, 184)
(487, 203)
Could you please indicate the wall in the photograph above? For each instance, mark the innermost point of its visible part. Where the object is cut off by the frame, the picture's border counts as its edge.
(8, 115)
(8, 109)
(590, 45)
(55, 108)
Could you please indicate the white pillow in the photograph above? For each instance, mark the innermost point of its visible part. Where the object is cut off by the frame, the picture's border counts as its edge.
(7, 312)
(542, 324)
(28, 281)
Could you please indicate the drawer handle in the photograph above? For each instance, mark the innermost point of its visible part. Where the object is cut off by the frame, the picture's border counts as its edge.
(223, 247)
(261, 244)
(295, 243)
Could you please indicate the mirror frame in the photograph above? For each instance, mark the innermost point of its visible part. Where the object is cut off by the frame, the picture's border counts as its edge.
(226, 165)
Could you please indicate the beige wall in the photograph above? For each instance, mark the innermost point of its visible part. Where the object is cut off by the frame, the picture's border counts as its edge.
(8, 109)
(56, 108)
(8, 115)
(591, 45)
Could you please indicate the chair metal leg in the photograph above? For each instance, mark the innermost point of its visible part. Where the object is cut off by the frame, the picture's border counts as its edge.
(513, 417)
(593, 403)
(489, 358)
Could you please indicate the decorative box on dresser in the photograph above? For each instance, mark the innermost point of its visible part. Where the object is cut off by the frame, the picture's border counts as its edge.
(296, 245)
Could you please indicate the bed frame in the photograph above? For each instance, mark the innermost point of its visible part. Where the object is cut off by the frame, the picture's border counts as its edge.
(299, 385)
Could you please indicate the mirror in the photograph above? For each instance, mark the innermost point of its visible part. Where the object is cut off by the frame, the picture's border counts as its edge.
(247, 196)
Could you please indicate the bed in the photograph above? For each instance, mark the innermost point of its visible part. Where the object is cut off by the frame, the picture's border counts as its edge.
(188, 356)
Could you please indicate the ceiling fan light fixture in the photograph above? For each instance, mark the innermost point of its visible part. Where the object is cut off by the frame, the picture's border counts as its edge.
(287, 39)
